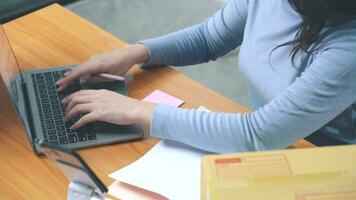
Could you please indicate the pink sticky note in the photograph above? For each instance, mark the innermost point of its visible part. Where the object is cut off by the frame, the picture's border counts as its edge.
(158, 97)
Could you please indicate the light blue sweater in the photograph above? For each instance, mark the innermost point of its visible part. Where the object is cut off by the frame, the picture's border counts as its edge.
(317, 96)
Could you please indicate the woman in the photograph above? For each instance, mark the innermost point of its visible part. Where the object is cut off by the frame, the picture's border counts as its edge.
(298, 56)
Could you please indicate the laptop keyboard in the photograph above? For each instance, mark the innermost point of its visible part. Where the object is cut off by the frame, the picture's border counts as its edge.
(52, 111)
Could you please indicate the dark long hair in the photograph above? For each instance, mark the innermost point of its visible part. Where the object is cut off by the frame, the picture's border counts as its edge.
(316, 14)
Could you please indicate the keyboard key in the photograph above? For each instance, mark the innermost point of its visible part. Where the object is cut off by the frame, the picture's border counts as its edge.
(82, 130)
(52, 92)
(50, 126)
(58, 117)
(72, 138)
(49, 121)
(44, 96)
(59, 123)
(51, 88)
(56, 75)
(50, 81)
(42, 91)
(46, 105)
(52, 137)
(41, 85)
(91, 137)
(52, 97)
(54, 102)
(53, 142)
(61, 133)
(60, 128)
(40, 81)
(63, 140)
(82, 137)
(48, 115)
(39, 76)
(57, 112)
(48, 74)
(56, 107)
(47, 111)
(52, 132)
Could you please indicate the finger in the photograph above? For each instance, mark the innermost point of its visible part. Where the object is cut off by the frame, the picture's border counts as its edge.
(84, 78)
(78, 100)
(77, 72)
(88, 118)
(67, 99)
(69, 78)
(89, 78)
(77, 109)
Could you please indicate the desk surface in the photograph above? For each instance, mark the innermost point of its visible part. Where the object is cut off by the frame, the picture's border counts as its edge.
(54, 36)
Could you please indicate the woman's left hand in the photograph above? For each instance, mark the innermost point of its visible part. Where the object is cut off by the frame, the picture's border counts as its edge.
(107, 106)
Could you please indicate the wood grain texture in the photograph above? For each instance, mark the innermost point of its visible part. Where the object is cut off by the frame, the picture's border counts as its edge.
(54, 36)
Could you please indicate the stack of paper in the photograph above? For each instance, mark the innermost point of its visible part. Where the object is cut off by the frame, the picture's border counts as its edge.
(170, 169)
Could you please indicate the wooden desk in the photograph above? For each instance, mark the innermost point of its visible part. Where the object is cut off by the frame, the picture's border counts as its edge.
(54, 36)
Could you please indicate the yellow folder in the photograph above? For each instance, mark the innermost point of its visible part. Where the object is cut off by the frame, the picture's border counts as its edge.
(324, 173)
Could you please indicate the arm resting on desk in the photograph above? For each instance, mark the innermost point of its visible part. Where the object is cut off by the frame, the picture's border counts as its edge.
(325, 89)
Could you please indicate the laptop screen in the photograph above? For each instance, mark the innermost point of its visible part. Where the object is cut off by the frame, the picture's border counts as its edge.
(8, 64)
(10, 74)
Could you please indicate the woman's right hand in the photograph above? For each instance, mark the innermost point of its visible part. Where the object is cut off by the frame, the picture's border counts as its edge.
(117, 62)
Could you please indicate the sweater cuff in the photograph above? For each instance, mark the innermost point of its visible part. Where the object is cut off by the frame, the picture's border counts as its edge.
(154, 52)
(159, 120)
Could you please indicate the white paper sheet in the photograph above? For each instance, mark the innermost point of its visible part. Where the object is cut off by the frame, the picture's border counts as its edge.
(171, 169)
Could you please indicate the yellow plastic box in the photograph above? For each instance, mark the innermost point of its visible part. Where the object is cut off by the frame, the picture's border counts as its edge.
(325, 173)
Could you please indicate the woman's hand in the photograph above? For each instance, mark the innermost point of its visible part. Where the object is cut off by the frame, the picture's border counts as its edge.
(107, 106)
(116, 62)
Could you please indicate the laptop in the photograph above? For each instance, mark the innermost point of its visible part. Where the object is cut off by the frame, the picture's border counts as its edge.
(38, 104)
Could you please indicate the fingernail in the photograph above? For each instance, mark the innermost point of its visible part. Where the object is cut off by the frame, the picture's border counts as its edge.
(63, 100)
(58, 82)
(65, 74)
(72, 127)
